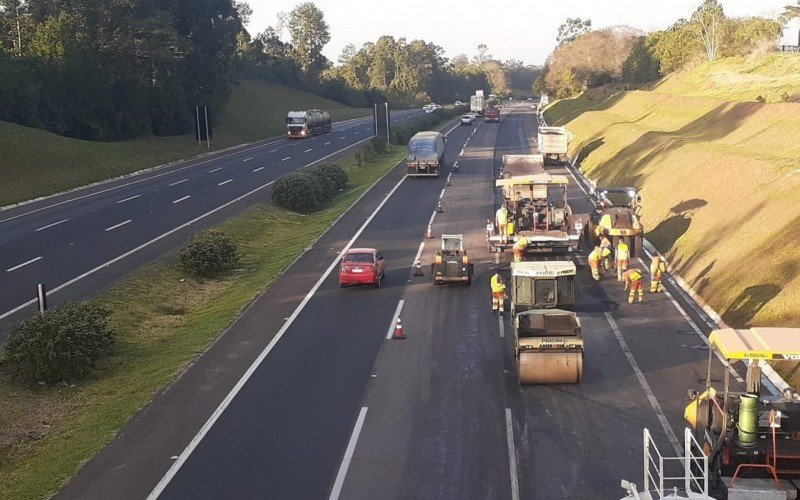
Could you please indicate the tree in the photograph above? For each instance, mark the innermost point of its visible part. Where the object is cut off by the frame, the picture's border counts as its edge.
(244, 10)
(460, 61)
(483, 54)
(790, 12)
(640, 66)
(572, 29)
(675, 46)
(709, 23)
(310, 33)
(348, 53)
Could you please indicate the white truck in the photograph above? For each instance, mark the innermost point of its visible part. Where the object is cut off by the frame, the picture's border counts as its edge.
(553, 143)
(477, 103)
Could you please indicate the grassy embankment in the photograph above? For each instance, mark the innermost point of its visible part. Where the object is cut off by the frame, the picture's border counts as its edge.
(36, 163)
(719, 176)
(159, 332)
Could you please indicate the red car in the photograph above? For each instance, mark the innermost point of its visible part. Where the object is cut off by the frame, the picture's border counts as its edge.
(362, 266)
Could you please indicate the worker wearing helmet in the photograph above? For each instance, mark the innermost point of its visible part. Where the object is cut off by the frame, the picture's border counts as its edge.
(657, 269)
(519, 248)
(501, 218)
(633, 280)
(623, 255)
(594, 263)
(605, 246)
(498, 293)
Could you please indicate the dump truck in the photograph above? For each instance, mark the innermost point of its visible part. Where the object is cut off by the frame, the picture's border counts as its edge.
(425, 156)
(553, 143)
(537, 206)
(542, 285)
(492, 114)
(304, 124)
(451, 264)
(476, 103)
(618, 217)
(548, 347)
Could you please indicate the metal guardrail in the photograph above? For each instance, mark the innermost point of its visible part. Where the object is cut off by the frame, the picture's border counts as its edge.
(694, 464)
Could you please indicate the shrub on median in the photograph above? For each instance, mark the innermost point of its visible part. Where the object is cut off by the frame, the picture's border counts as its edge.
(307, 190)
(64, 344)
(209, 253)
(401, 135)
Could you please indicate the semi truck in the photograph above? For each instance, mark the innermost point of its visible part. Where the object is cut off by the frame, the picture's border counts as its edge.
(304, 124)
(425, 156)
(553, 143)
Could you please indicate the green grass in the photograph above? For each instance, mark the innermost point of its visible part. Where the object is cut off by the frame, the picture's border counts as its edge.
(36, 163)
(159, 333)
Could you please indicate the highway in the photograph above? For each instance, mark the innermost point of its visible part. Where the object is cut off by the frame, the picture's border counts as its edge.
(80, 242)
(306, 397)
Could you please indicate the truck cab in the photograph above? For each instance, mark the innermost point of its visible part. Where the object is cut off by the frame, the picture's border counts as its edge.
(542, 285)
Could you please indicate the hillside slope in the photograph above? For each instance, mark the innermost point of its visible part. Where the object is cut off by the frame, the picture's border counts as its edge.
(35, 163)
(720, 181)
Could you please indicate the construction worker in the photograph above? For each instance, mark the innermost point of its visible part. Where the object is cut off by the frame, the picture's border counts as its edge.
(519, 248)
(657, 269)
(623, 255)
(501, 218)
(509, 229)
(594, 262)
(605, 246)
(633, 280)
(498, 294)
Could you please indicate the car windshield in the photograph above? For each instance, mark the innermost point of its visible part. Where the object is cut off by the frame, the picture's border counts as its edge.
(361, 258)
(466, 116)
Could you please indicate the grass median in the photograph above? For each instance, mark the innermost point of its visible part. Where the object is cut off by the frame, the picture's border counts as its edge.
(47, 432)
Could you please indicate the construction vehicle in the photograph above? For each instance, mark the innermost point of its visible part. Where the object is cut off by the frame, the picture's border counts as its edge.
(618, 217)
(542, 285)
(537, 204)
(751, 439)
(304, 124)
(553, 143)
(548, 347)
(451, 264)
(425, 156)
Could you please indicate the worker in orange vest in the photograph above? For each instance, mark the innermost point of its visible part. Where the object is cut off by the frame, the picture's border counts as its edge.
(623, 255)
(633, 280)
(594, 262)
(657, 269)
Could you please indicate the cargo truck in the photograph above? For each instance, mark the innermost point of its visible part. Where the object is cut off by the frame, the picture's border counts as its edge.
(477, 104)
(553, 143)
(303, 124)
(425, 156)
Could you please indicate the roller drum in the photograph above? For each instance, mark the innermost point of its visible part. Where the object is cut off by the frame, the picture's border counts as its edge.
(550, 367)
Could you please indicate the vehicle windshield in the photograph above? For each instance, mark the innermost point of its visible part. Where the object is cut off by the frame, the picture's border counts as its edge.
(422, 143)
(618, 198)
(361, 258)
(295, 120)
(466, 116)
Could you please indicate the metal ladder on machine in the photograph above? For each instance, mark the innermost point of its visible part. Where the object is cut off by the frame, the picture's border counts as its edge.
(692, 484)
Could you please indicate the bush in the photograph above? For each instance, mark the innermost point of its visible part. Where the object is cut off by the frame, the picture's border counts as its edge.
(761, 99)
(306, 190)
(59, 345)
(209, 253)
(380, 146)
(369, 153)
(332, 173)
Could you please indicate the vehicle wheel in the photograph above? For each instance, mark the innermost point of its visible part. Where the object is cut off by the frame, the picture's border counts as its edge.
(469, 281)
(341, 285)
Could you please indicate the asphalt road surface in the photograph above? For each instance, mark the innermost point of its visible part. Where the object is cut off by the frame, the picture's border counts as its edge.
(306, 397)
(80, 242)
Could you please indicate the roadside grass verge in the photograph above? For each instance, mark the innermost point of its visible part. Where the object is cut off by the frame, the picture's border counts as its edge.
(36, 163)
(47, 432)
(720, 185)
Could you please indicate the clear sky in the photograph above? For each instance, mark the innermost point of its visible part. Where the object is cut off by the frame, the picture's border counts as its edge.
(512, 30)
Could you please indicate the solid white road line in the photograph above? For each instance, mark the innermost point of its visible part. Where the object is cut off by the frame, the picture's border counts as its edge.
(390, 332)
(179, 182)
(224, 182)
(308, 150)
(215, 170)
(284, 159)
(645, 386)
(117, 225)
(162, 236)
(419, 252)
(348, 455)
(128, 199)
(248, 159)
(51, 225)
(512, 456)
(177, 464)
(181, 199)
(258, 169)
(22, 265)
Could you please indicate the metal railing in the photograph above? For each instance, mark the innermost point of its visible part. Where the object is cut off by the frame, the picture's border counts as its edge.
(694, 464)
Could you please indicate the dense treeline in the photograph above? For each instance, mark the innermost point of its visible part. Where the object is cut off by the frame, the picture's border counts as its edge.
(587, 59)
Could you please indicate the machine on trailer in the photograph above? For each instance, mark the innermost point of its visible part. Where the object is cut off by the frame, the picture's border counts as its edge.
(751, 439)
(618, 217)
(548, 347)
(451, 264)
(542, 285)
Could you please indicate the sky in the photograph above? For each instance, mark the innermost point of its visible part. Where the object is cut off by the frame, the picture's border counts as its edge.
(518, 30)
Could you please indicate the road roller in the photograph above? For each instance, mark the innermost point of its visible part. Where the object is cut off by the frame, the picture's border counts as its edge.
(751, 438)
(548, 347)
(542, 285)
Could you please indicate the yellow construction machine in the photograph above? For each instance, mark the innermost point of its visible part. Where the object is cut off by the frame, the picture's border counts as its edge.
(618, 217)
(548, 347)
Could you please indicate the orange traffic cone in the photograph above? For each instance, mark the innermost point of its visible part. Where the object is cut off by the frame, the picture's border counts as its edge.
(429, 234)
(398, 330)
(418, 269)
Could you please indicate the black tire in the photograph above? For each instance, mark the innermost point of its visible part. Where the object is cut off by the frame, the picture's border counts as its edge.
(469, 281)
